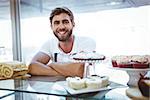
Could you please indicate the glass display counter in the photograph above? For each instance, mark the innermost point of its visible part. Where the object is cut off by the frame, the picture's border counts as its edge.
(47, 87)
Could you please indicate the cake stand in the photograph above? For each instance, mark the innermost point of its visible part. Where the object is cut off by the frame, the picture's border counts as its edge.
(89, 65)
(134, 74)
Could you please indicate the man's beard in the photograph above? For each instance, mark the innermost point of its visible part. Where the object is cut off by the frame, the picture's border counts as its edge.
(63, 38)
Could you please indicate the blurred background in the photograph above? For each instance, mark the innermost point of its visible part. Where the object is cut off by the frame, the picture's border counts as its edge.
(117, 26)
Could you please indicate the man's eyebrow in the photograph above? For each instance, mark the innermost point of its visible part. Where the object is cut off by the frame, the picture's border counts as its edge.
(65, 20)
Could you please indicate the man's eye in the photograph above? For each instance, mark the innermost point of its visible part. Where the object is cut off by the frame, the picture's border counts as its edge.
(66, 22)
(56, 22)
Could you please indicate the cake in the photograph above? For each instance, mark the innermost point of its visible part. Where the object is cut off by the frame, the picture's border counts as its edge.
(6, 71)
(131, 61)
(88, 56)
(144, 85)
(12, 69)
(121, 61)
(75, 82)
(95, 82)
(91, 82)
(139, 61)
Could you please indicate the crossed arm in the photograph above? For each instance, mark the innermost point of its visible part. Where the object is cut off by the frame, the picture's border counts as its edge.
(40, 66)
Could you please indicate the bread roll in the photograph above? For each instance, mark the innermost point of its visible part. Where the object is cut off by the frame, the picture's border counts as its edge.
(12, 69)
(6, 71)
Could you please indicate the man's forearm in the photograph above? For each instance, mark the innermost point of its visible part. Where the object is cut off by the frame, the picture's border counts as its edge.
(36, 68)
(68, 69)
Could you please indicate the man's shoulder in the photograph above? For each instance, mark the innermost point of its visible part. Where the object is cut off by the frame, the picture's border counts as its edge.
(84, 38)
(84, 43)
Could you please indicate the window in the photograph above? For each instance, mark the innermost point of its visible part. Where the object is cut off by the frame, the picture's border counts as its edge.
(120, 31)
(5, 32)
(116, 32)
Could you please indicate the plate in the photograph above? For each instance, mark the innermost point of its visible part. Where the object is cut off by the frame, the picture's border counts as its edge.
(112, 85)
(134, 74)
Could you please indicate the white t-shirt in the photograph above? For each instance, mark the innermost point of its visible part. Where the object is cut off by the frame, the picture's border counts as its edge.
(51, 47)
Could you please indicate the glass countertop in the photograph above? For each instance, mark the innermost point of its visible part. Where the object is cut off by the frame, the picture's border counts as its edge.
(35, 84)
(49, 86)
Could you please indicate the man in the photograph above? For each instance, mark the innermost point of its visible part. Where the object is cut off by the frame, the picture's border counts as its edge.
(65, 44)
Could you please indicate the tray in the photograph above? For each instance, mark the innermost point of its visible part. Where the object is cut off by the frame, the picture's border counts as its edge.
(112, 85)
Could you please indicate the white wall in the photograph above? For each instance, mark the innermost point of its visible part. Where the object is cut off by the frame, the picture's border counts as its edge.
(122, 31)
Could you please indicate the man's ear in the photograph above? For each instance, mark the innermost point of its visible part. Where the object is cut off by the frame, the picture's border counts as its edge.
(73, 23)
(51, 26)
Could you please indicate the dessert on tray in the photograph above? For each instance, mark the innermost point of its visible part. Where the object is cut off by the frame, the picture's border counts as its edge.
(144, 85)
(91, 82)
(131, 61)
(88, 56)
(95, 82)
(12, 69)
(75, 82)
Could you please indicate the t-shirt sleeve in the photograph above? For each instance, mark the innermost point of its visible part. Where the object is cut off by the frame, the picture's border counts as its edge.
(45, 48)
(86, 44)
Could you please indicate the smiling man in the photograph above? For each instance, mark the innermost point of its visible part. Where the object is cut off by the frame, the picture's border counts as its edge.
(53, 57)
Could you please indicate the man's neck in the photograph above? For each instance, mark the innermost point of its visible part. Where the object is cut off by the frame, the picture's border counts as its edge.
(67, 45)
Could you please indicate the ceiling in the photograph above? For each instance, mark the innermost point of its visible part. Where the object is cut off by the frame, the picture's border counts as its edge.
(30, 8)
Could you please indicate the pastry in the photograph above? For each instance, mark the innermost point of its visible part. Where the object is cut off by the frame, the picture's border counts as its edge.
(76, 83)
(132, 61)
(12, 69)
(139, 61)
(6, 71)
(99, 81)
(91, 82)
(144, 85)
(121, 61)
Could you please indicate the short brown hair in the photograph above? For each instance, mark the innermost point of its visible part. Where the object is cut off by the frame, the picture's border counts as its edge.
(60, 10)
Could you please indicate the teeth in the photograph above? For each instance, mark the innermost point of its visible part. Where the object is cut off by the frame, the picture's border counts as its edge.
(62, 32)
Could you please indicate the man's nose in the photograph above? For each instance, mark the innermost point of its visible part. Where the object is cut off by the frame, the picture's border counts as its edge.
(61, 25)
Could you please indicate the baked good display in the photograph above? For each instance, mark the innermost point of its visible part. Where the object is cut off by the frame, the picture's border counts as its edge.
(95, 82)
(140, 61)
(131, 61)
(12, 69)
(91, 82)
(88, 56)
(121, 61)
(75, 82)
(144, 85)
